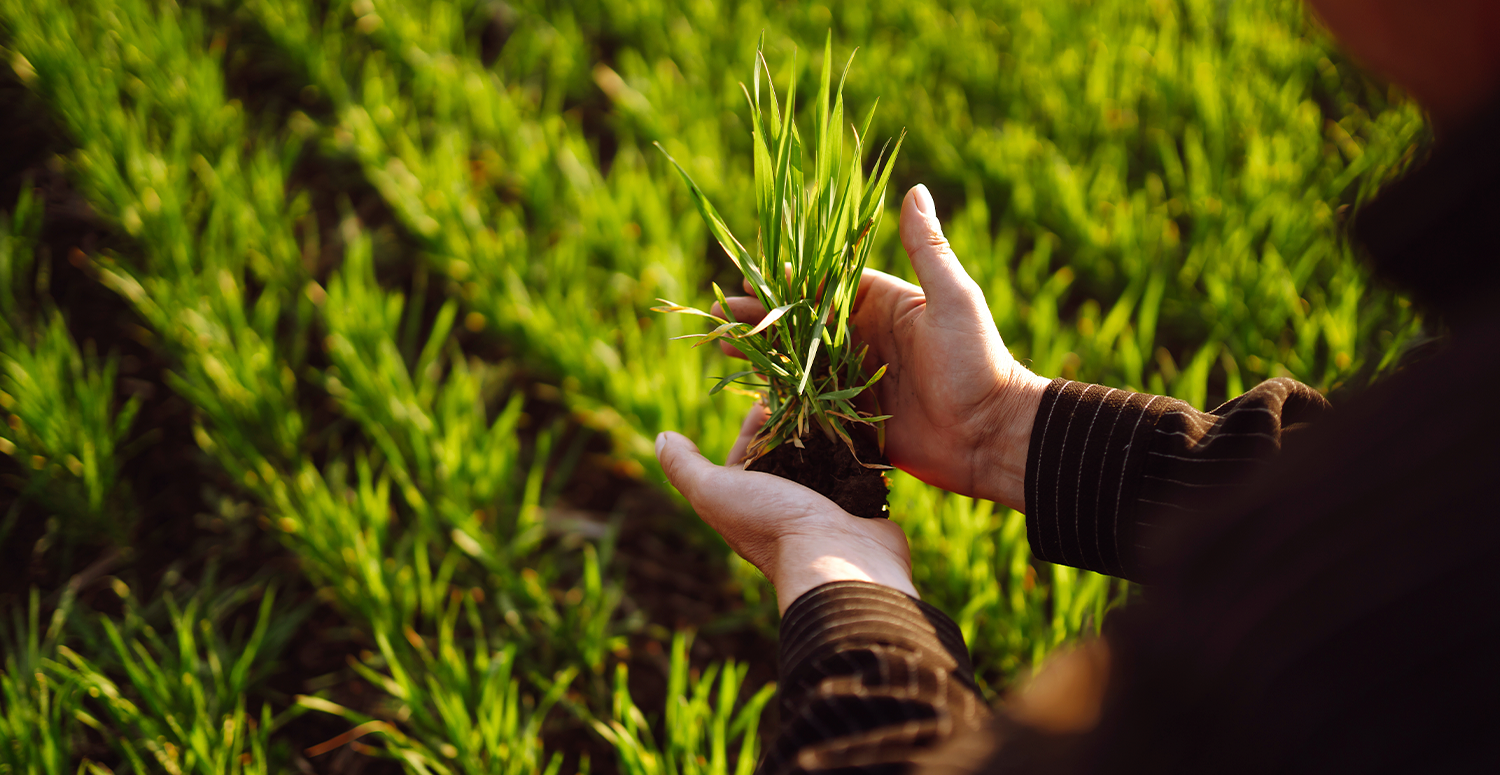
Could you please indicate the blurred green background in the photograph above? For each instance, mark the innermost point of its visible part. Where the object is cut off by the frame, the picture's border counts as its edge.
(329, 382)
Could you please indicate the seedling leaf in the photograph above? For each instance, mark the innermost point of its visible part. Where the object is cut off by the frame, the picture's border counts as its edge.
(773, 316)
(817, 215)
(725, 381)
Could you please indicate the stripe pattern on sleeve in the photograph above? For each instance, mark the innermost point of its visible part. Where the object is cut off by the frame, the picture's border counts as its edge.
(1108, 469)
(869, 677)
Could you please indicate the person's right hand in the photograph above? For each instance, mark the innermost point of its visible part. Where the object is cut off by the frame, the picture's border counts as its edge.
(961, 406)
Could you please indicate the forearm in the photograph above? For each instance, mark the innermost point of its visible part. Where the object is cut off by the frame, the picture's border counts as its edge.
(869, 676)
(1110, 471)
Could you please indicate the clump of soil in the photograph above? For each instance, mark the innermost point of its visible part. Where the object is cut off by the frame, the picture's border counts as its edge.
(828, 467)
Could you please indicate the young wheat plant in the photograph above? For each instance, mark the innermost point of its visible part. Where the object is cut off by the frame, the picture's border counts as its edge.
(815, 236)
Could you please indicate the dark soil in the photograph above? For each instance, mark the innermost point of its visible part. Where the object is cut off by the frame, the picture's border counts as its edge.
(828, 467)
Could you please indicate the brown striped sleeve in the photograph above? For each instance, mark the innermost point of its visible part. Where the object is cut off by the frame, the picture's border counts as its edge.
(1108, 469)
(869, 678)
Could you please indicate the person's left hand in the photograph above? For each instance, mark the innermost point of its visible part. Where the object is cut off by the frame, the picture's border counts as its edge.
(961, 406)
(795, 536)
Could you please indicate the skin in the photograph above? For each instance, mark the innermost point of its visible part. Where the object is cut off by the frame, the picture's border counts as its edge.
(795, 536)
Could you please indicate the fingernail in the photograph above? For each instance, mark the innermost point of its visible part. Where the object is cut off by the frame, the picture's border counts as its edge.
(923, 200)
(661, 441)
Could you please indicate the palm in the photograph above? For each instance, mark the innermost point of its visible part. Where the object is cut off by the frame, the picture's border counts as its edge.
(796, 536)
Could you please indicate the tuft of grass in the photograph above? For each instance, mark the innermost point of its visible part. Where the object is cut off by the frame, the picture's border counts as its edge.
(170, 696)
(59, 417)
(178, 703)
(462, 707)
(38, 714)
(705, 729)
(818, 223)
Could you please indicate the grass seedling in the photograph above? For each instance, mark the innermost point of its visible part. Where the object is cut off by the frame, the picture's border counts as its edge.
(62, 422)
(174, 699)
(818, 219)
(708, 728)
(38, 714)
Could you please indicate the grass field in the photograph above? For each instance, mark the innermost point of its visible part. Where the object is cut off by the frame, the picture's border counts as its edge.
(329, 379)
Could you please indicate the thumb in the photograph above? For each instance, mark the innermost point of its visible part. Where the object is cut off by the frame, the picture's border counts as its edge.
(944, 281)
(681, 461)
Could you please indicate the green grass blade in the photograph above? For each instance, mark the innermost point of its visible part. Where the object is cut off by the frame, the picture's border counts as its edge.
(732, 247)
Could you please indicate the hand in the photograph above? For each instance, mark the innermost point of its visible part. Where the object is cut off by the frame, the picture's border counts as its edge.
(961, 406)
(795, 536)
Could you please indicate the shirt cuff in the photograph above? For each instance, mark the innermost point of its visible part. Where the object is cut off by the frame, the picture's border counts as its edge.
(1083, 472)
(844, 614)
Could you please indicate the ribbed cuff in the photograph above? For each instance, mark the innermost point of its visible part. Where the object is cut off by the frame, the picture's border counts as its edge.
(870, 679)
(843, 614)
(1083, 470)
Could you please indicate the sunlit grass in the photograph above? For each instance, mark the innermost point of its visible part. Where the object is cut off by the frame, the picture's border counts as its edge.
(1148, 194)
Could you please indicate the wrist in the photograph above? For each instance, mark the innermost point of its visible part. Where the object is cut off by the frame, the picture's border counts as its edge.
(1000, 463)
(803, 565)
